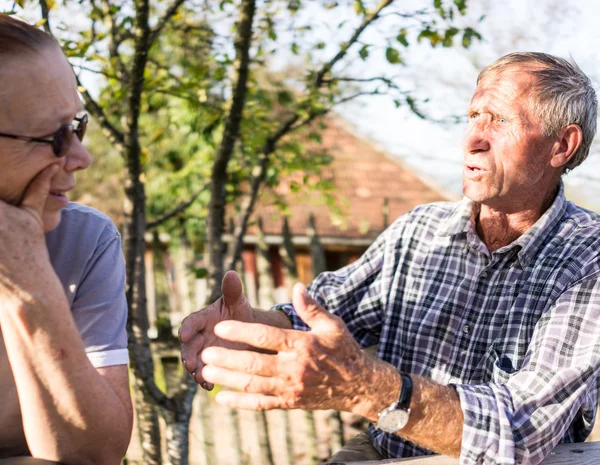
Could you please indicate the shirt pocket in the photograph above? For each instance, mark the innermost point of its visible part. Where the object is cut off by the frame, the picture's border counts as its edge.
(499, 366)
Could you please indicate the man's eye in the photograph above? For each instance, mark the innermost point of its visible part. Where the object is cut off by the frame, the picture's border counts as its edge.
(474, 116)
(502, 120)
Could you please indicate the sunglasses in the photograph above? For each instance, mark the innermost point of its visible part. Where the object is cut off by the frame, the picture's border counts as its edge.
(61, 139)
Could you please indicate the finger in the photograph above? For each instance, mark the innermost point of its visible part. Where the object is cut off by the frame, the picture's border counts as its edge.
(194, 323)
(248, 401)
(232, 290)
(199, 378)
(38, 190)
(311, 312)
(241, 360)
(240, 381)
(190, 352)
(254, 334)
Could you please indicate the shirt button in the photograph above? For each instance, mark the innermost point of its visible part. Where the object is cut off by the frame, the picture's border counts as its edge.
(466, 329)
(484, 274)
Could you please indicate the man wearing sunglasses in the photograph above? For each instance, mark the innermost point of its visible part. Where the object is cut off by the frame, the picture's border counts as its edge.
(63, 354)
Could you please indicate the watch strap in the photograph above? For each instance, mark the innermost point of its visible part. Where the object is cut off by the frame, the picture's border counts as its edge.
(405, 392)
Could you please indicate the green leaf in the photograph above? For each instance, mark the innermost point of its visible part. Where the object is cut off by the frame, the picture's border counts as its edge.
(284, 98)
(359, 7)
(294, 48)
(364, 52)
(461, 5)
(392, 56)
(402, 37)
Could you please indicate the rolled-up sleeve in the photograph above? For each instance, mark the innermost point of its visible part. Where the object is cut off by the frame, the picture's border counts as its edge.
(523, 418)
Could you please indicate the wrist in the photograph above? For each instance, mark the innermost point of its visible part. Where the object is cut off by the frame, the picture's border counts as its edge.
(388, 382)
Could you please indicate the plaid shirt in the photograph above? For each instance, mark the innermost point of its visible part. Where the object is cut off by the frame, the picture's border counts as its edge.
(516, 331)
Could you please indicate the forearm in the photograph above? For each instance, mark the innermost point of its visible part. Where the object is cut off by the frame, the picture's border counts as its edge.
(70, 413)
(436, 418)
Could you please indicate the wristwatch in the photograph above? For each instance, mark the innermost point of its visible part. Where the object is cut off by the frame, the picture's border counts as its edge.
(395, 417)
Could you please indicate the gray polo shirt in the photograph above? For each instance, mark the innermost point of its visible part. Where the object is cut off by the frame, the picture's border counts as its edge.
(85, 251)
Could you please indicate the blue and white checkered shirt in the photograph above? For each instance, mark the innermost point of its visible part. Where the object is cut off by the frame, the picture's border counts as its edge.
(516, 331)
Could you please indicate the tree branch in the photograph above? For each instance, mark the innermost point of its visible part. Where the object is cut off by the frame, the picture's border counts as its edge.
(115, 41)
(177, 210)
(162, 22)
(113, 134)
(344, 48)
(46, 15)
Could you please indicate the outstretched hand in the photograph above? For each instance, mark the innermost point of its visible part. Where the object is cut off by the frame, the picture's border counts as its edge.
(324, 368)
(25, 269)
(197, 330)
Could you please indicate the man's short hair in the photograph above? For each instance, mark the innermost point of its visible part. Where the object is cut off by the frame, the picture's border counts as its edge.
(563, 95)
(17, 37)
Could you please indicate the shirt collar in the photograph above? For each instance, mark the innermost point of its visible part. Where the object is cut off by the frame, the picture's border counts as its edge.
(462, 217)
(533, 239)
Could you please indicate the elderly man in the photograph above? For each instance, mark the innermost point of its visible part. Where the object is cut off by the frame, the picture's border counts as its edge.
(485, 313)
(63, 356)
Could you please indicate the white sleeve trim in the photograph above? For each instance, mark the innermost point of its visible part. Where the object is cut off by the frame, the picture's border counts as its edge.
(109, 358)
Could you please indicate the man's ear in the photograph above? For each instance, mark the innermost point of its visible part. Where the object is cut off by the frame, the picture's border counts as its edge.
(567, 143)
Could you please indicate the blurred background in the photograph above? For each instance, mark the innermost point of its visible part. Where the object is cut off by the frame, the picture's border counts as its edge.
(277, 138)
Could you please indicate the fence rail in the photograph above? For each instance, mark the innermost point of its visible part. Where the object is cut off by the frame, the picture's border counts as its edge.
(587, 453)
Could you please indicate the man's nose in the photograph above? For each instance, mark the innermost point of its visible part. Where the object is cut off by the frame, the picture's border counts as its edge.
(476, 139)
(77, 157)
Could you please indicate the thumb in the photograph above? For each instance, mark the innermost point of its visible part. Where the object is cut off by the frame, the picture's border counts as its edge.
(38, 190)
(311, 312)
(231, 289)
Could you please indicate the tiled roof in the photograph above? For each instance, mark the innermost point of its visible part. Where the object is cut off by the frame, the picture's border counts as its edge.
(363, 176)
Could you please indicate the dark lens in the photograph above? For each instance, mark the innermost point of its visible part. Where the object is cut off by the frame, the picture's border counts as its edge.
(81, 128)
(62, 140)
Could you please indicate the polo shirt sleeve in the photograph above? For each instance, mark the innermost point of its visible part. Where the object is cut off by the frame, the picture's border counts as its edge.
(100, 307)
(522, 418)
(353, 293)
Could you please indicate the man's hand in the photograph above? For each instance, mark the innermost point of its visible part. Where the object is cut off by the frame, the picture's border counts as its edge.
(26, 275)
(324, 368)
(197, 330)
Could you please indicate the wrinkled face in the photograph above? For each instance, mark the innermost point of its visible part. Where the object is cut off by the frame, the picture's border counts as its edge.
(38, 94)
(506, 158)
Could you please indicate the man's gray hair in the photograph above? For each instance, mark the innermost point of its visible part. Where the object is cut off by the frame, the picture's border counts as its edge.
(563, 95)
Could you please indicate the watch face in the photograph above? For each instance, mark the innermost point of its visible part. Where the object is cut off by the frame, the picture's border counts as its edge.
(392, 421)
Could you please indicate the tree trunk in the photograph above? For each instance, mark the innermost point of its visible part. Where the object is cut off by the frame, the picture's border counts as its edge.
(148, 430)
(236, 437)
(311, 438)
(215, 221)
(266, 289)
(203, 407)
(264, 441)
(317, 254)
(336, 426)
(177, 434)
(289, 439)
